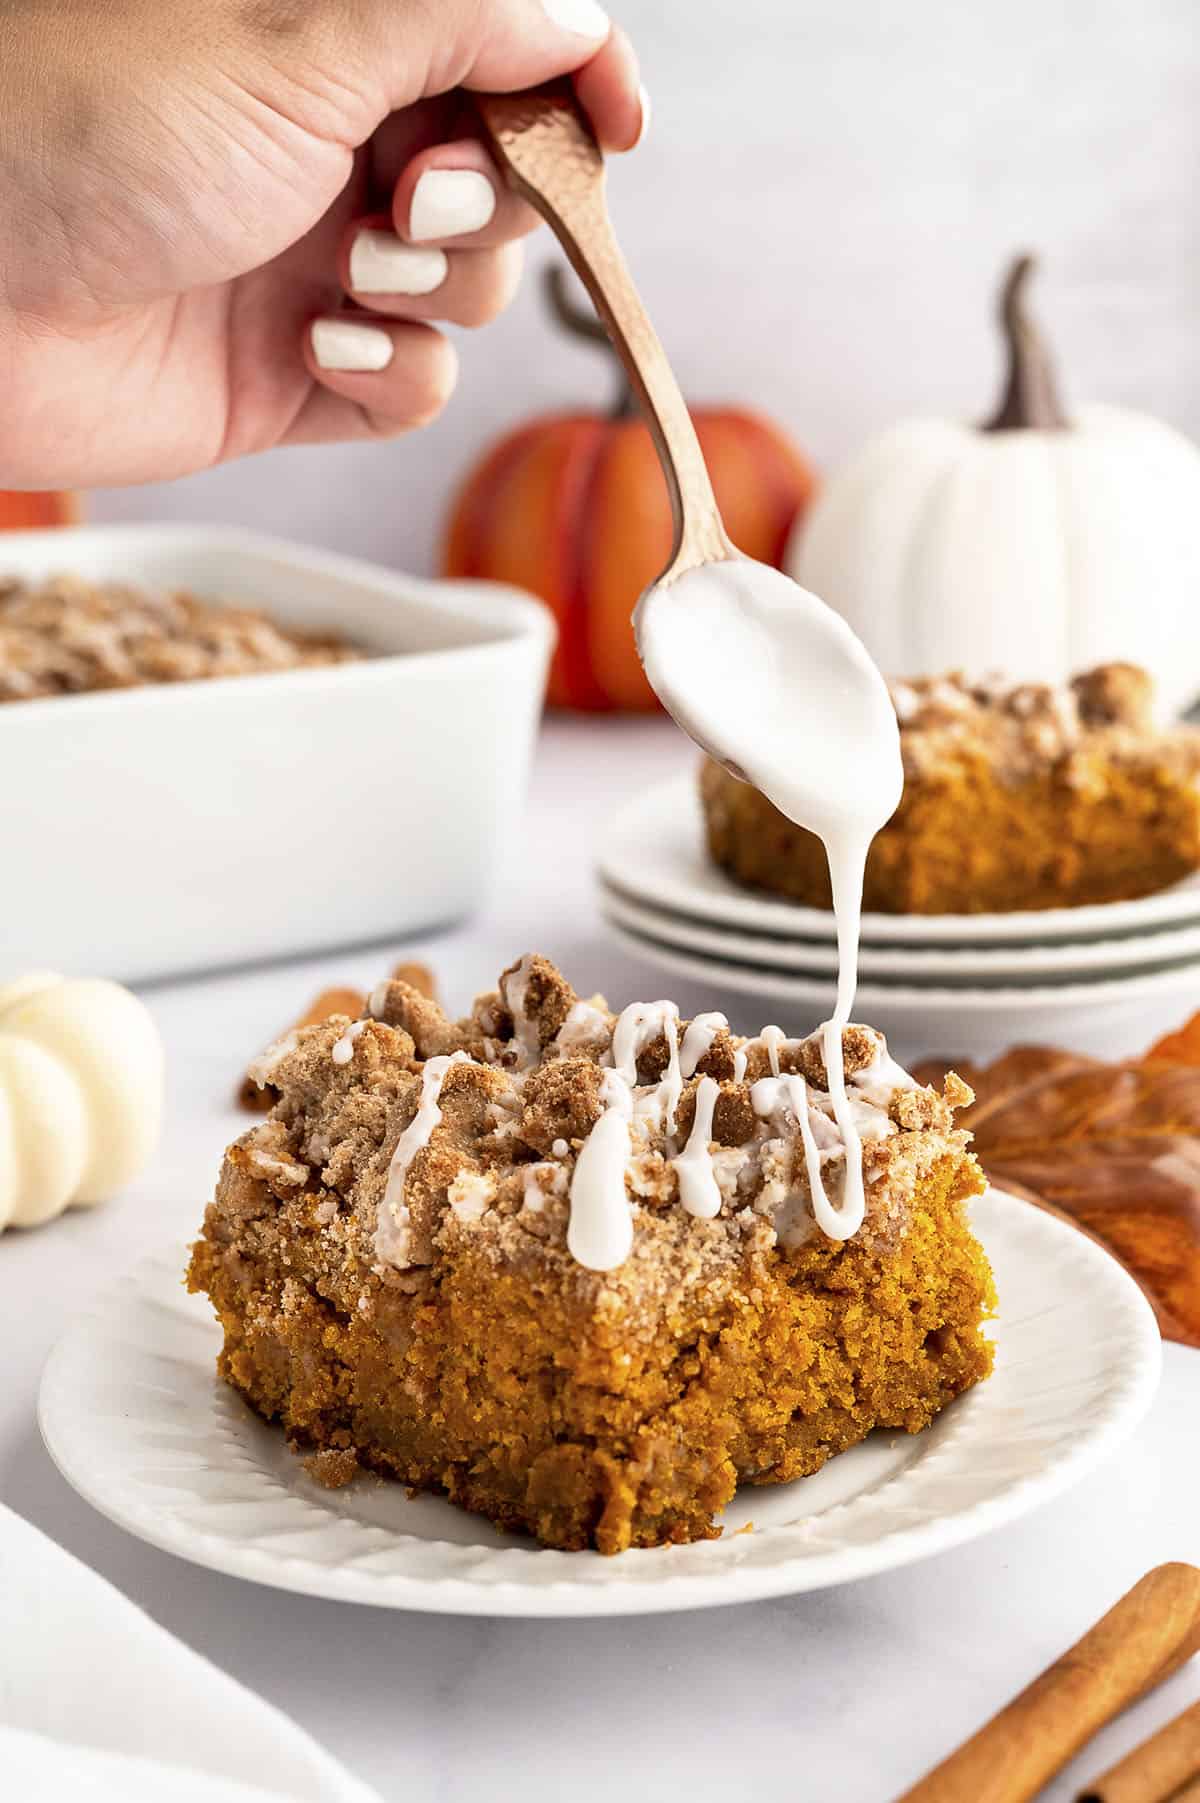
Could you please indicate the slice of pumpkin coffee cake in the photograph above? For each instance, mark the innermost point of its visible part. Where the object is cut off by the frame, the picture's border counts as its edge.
(586, 1272)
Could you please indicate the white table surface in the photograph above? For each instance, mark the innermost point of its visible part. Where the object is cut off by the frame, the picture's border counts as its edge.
(849, 1694)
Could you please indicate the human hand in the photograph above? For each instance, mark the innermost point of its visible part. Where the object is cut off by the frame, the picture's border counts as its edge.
(189, 194)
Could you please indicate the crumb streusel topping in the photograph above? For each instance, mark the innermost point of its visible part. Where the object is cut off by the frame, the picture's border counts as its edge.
(422, 1131)
(1023, 727)
(69, 637)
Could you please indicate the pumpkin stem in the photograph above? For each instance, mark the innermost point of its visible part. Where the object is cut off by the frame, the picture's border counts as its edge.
(1030, 398)
(582, 323)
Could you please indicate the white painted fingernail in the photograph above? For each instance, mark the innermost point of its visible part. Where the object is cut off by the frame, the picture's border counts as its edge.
(343, 344)
(647, 114)
(381, 263)
(581, 16)
(446, 203)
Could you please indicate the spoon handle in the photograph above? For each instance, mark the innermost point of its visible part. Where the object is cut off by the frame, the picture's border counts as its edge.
(553, 161)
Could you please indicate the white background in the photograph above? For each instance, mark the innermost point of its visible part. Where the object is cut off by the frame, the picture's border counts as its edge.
(819, 220)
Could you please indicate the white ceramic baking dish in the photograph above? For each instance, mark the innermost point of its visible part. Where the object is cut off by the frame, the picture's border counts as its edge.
(146, 832)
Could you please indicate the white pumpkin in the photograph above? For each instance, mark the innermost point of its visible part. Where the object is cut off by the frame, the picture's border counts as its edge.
(81, 1092)
(1030, 546)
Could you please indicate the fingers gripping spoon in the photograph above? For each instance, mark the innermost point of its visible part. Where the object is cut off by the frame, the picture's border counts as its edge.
(760, 673)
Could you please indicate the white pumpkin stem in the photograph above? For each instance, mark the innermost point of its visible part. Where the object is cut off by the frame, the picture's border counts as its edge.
(1030, 399)
(581, 323)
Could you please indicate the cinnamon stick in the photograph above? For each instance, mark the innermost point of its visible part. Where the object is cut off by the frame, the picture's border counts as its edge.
(260, 1100)
(1144, 1638)
(419, 977)
(1155, 1770)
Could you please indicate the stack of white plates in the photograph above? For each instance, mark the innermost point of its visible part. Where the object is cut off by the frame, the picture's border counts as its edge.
(1105, 978)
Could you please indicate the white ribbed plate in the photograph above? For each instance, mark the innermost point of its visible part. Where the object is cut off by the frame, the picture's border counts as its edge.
(135, 1419)
(817, 991)
(955, 966)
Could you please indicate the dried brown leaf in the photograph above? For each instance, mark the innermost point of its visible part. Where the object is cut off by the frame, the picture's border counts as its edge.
(1114, 1147)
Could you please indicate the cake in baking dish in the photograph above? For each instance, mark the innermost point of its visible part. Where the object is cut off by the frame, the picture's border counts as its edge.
(585, 1273)
(66, 636)
(1014, 797)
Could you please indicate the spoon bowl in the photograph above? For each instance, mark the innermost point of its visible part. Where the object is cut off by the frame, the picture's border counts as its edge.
(773, 684)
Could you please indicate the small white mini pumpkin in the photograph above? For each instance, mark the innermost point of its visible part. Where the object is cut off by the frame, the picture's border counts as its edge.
(1033, 545)
(81, 1092)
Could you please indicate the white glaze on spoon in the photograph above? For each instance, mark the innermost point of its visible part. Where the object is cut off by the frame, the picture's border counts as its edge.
(775, 685)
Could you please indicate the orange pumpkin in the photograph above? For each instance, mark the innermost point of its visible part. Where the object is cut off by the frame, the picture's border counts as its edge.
(18, 510)
(573, 507)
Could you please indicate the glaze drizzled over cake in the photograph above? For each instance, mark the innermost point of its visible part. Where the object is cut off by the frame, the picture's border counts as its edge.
(646, 1117)
(653, 1103)
(587, 1270)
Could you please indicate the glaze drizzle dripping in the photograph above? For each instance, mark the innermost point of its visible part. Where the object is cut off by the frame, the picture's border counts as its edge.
(514, 989)
(775, 686)
(698, 1040)
(600, 1233)
(637, 1027)
(343, 1051)
(391, 1231)
(600, 1228)
(698, 1191)
(846, 853)
(766, 1098)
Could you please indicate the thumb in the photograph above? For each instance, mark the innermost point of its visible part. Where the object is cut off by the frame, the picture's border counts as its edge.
(504, 45)
(402, 52)
(492, 45)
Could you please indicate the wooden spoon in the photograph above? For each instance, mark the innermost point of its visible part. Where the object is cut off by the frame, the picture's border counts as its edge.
(553, 161)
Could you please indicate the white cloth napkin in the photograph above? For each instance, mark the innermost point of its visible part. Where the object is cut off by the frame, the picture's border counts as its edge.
(100, 1704)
